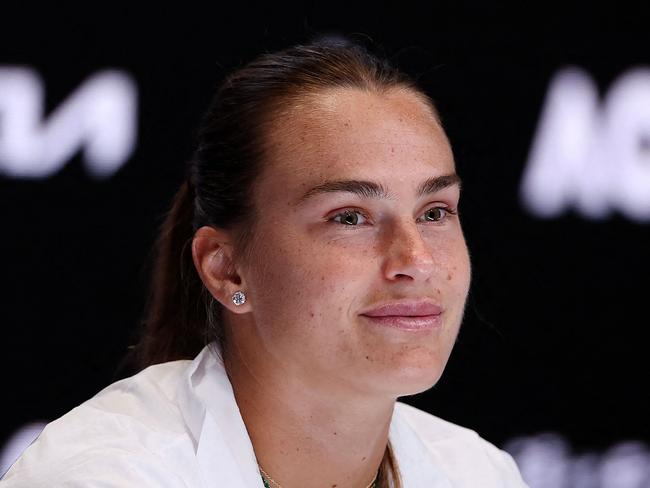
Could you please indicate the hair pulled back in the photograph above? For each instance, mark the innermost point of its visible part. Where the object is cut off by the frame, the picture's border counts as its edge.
(181, 316)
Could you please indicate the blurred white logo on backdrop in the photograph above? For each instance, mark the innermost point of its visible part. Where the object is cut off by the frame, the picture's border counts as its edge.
(547, 460)
(590, 155)
(99, 117)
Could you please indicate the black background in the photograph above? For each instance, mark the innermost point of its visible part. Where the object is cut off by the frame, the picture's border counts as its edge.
(555, 330)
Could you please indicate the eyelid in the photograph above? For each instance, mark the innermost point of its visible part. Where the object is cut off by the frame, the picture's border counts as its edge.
(450, 211)
(343, 212)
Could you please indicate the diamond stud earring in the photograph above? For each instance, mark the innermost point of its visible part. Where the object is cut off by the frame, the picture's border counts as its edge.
(239, 298)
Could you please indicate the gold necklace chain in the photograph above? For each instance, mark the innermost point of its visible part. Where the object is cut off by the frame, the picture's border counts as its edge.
(268, 478)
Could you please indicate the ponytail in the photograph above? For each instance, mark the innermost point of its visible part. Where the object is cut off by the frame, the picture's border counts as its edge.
(175, 318)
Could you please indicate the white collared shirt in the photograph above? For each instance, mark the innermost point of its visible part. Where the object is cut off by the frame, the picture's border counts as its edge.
(177, 424)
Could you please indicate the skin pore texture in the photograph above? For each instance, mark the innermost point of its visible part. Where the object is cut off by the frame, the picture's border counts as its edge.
(316, 383)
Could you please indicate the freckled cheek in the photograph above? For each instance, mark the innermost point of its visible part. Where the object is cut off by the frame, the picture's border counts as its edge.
(328, 283)
(458, 272)
(454, 262)
(307, 275)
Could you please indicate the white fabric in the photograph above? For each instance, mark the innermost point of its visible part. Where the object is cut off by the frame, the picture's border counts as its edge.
(177, 424)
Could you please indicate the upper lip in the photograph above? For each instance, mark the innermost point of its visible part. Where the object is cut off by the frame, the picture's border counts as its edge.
(404, 308)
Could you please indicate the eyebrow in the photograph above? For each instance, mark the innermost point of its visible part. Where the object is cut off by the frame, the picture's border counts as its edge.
(371, 189)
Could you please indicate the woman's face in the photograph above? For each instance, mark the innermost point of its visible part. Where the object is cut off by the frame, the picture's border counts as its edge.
(318, 269)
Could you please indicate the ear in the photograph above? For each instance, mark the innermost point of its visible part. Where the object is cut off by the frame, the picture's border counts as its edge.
(211, 253)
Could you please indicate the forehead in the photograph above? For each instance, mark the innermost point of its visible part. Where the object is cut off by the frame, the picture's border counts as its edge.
(352, 133)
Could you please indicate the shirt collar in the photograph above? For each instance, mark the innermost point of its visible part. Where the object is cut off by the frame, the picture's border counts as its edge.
(223, 447)
(415, 465)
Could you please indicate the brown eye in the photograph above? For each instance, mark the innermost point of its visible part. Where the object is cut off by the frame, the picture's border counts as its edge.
(435, 214)
(348, 218)
(438, 214)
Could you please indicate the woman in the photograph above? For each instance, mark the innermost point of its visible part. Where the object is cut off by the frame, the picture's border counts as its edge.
(323, 274)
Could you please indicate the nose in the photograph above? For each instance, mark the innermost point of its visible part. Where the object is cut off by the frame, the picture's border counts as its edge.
(407, 253)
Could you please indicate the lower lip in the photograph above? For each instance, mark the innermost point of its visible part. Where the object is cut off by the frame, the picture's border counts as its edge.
(424, 322)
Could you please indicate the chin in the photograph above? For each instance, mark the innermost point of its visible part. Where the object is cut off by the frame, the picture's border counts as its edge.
(412, 385)
(410, 380)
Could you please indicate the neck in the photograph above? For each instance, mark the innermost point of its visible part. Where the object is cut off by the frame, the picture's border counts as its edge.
(303, 436)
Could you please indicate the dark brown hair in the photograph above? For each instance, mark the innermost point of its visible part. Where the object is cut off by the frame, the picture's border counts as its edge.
(181, 315)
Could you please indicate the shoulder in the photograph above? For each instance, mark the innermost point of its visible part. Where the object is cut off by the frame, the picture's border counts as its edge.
(461, 452)
(119, 437)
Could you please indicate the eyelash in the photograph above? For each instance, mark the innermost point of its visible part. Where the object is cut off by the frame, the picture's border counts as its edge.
(346, 211)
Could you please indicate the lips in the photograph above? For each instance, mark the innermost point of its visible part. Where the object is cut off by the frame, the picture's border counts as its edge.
(413, 316)
(405, 309)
